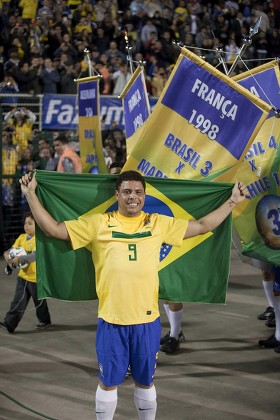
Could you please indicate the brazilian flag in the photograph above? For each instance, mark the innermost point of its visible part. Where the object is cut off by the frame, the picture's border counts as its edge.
(196, 272)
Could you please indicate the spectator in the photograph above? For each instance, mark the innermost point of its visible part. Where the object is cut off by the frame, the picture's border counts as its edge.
(20, 122)
(82, 25)
(9, 163)
(12, 63)
(6, 31)
(66, 48)
(101, 41)
(47, 161)
(68, 76)
(49, 77)
(181, 12)
(29, 9)
(120, 78)
(113, 51)
(105, 84)
(147, 30)
(152, 6)
(27, 78)
(9, 87)
(137, 6)
(257, 12)
(158, 81)
(68, 159)
(65, 9)
(231, 50)
(46, 11)
(119, 143)
(54, 39)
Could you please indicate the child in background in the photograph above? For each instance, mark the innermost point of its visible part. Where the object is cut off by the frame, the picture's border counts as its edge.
(26, 286)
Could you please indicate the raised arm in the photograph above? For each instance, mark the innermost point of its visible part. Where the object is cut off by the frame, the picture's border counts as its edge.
(44, 220)
(216, 217)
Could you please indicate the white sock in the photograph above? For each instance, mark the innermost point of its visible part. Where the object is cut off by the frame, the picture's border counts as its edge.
(146, 402)
(166, 308)
(268, 290)
(105, 403)
(175, 319)
(277, 316)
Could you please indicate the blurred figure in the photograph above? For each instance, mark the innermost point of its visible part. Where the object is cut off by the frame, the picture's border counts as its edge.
(49, 77)
(68, 159)
(20, 122)
(115, 168)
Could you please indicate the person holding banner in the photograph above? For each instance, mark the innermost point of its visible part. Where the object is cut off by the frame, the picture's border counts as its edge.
(125, 248)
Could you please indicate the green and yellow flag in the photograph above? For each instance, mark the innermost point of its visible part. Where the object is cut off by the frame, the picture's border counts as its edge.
(196, 272)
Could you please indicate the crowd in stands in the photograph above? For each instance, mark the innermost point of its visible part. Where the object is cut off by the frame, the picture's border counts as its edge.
(43, 43)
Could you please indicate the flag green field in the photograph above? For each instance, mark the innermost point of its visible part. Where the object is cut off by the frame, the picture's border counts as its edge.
(196, 272)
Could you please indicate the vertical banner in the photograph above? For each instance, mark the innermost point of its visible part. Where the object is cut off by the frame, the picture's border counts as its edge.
(89, 129)
(136, 108)
(199, 127)
(257, 219)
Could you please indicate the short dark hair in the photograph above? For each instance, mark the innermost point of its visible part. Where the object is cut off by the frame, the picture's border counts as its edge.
(62, 138)
(116, 165)
(28, 214)
(130, 176)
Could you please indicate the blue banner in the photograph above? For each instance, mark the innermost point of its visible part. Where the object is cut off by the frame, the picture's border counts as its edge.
(60, 112)
(212, 106)
(135, 105)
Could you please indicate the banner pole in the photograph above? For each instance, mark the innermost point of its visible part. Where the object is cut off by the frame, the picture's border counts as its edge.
(128, 48)
(247, 40)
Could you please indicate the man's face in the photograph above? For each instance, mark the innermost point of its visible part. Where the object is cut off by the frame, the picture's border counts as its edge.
(131, 198)
(58, 146)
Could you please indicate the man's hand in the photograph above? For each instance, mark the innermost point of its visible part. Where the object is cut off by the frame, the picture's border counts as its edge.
(239, 192)
(28, 183)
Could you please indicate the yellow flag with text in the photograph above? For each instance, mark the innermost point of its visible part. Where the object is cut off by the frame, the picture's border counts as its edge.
(257, 219)
(199, 127)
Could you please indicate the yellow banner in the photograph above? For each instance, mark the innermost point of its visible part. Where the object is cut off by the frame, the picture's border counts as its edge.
(91, 149)
(199, 127)
(257, 219)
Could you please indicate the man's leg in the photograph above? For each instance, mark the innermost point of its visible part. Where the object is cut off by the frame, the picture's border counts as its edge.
(145, 399)
(175, 318)
(268, 281)
(144, 344)
(105, 402)
(113, 359)
(172, 343)
(166, 308)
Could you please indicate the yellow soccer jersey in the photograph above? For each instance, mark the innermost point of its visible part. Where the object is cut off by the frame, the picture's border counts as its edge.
(125, 253)
(29, 244)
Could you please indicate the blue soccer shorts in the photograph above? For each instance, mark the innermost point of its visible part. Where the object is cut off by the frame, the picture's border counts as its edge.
(118, 346)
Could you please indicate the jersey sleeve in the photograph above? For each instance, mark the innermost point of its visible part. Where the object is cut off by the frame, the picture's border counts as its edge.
(173, 230)
(83, 230)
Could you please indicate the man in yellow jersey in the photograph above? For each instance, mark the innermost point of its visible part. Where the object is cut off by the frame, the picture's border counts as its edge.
(125, 251)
